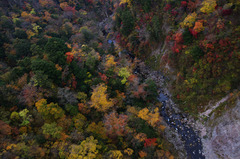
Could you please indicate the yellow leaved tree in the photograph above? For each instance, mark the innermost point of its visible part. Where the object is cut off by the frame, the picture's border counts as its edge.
(88, 149)
(99, 98)
(115, 154)
(151, 117)
(49, 111)
(126, 1)
(208, 6)
(97, 129)
(109, 62)
(189, 20)
(143, 114)
(124, 73)
(128, 151)
(79, 120)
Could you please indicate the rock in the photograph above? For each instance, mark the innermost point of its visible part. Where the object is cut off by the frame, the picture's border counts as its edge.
(224, 135)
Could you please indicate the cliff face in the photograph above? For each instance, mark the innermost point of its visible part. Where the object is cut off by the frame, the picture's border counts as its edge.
(222, 138)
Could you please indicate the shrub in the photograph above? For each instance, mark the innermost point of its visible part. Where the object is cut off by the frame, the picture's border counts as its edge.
(146, 4)
(87, 34)
(56, 49)
(15, 116)
(21, 34)
(151, 89)
(22, 47)
(196, 53)
(48, 68)
(143, 127)
(52, 129)
(155, 29)
(54, 45)
(3, 39)
(72, 110)
(187, 37)
(6, 23)
(128, 22)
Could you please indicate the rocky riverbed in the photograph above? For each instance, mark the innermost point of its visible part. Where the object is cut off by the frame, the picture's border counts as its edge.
(179, 130)
(177, 121)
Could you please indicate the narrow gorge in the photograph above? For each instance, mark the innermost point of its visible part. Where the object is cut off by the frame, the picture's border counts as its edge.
(120, 79)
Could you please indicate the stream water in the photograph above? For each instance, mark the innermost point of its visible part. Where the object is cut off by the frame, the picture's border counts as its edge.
(193, 144)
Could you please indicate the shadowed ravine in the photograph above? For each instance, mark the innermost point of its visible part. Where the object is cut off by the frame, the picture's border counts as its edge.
(193, 144)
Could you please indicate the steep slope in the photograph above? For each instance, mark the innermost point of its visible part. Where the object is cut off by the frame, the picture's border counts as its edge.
(196, 45)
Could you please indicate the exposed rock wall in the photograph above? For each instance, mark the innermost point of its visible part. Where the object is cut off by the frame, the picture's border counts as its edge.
(223, 135)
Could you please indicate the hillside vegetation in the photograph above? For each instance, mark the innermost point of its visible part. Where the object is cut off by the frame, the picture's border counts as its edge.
(65, 93)
(70, 86)
(198, 40)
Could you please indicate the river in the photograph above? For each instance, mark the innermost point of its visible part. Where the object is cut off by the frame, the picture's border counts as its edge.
(193, 144)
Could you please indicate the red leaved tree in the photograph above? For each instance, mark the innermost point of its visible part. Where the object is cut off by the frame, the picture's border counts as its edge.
(150, 142)
(116, 124)
(69, 57)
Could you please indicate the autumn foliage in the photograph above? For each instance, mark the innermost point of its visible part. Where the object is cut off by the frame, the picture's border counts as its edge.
(49, 111)
(99, 99)
(150, 142)
(66, 92)
(116, 124)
